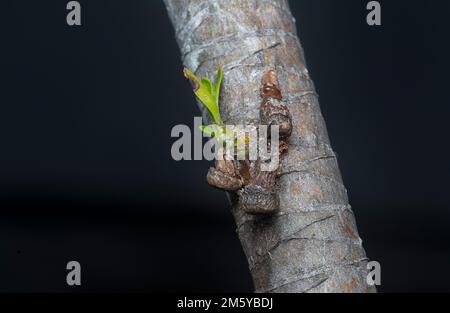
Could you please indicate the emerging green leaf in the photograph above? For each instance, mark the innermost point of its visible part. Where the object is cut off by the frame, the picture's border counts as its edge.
(218, 84)
(208, 93)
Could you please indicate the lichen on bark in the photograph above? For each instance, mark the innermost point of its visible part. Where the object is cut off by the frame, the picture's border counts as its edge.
(311, 244)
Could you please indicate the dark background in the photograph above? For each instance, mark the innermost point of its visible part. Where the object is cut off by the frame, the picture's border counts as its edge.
(85, 166)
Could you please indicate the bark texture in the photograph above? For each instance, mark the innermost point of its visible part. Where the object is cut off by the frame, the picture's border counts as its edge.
(312, 243)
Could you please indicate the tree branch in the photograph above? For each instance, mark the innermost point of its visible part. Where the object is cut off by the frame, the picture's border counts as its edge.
(311, 244)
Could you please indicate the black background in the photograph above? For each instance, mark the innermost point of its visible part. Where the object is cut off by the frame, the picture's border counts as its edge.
(86, 172)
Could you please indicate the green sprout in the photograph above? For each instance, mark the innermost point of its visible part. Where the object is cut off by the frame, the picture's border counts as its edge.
(208, 93)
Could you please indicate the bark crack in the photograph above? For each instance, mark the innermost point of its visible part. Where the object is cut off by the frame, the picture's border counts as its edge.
(317, 175)
(314, 272)
(314, 209)
(321, 282)
(236, 37)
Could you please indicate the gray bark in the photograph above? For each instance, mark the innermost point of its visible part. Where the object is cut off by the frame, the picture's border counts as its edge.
(312, 243)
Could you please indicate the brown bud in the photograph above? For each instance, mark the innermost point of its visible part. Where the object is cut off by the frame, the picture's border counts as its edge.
(270, 87)
(254, 199)
(225, 175)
